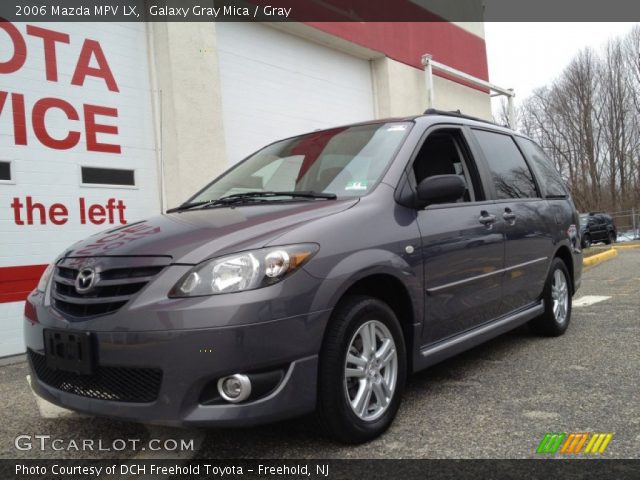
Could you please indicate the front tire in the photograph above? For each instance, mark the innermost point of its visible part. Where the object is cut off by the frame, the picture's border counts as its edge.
(586, 241)
(557, 302)
(362, 370)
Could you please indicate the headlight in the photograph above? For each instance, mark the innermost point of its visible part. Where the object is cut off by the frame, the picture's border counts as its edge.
(46, 276)
(243, 271)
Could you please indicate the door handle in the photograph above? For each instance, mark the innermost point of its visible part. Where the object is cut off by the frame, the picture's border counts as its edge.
(509, 216)
(487, 219)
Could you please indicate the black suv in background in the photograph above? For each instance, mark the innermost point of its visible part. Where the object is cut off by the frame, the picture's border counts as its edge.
(315, 275)
(597, 227)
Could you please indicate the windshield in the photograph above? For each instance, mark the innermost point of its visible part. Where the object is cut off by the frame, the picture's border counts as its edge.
(584, 219)
(346, 161)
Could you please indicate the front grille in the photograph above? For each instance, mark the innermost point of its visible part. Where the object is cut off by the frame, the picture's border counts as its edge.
(118, 384)
(112, 288)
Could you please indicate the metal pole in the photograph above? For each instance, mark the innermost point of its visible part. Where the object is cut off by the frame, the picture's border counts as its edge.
(633, 220)
(428, 71)
(430, 65)
(427, 63)
(510, 109)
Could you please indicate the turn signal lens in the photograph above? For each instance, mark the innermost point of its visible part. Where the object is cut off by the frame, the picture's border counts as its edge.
(30, 312)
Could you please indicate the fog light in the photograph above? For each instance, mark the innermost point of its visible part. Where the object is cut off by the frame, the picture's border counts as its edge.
(234, 388)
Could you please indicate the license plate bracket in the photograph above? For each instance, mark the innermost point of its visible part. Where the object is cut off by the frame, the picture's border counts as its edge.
(69, 351)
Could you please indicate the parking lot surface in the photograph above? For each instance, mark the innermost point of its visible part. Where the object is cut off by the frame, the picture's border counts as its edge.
(495, 401)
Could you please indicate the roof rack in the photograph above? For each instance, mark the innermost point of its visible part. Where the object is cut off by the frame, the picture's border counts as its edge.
(458, 114)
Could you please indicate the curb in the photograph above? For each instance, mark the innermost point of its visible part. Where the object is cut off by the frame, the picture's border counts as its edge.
(625, 247)
(13, 359)
(599, 258)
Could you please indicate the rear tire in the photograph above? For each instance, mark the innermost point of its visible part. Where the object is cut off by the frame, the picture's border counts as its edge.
(362, 372)
(557, 302)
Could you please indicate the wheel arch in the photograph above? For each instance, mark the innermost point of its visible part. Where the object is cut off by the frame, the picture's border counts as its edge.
(564, 254)
(392, 291)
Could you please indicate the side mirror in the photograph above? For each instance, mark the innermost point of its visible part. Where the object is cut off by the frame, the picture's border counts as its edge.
(441, 189)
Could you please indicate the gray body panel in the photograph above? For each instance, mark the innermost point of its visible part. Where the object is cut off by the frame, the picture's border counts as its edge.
(465, 283)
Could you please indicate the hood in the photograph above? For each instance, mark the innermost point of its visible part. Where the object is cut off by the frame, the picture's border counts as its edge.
(195, 235)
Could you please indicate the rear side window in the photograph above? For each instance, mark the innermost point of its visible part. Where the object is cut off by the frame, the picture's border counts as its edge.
(550, 180)
(511, 175)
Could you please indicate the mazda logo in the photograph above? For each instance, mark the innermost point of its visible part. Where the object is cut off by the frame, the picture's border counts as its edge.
(85, 280)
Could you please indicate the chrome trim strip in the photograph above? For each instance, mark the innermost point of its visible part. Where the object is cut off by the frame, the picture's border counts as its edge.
(63, 280)
(90, 300)
(433, 290)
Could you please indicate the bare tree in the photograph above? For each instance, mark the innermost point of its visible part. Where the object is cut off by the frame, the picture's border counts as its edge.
(588, 122)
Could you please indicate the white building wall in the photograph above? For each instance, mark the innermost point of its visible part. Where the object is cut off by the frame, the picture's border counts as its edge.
(184, 59)
(275, 85)
(401, 90)
(52, 176)
(203, 114)
(171, 108)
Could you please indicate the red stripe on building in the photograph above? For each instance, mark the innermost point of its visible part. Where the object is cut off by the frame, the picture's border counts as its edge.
(383, 26)
(17, 282)
(406, 42)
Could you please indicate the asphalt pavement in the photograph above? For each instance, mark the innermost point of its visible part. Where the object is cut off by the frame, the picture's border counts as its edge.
(495, 401)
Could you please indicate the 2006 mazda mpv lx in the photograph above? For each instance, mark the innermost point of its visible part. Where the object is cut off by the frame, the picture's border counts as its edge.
(314, 275)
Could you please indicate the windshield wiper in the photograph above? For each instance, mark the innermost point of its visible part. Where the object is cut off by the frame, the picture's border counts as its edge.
(270, 193)
(187, 206)
(257, 196)
(252, 196)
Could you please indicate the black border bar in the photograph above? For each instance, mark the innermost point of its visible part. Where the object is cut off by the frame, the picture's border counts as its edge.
(319, 10)
(335, 469)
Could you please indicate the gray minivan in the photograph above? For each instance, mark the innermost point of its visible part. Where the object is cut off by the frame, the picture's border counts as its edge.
(315, 275)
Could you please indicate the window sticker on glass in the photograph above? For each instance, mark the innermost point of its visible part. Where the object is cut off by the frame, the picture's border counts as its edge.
(359, 185)
(397, 128)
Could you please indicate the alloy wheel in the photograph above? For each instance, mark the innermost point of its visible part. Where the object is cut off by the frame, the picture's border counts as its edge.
(560, 296)
(371, 370)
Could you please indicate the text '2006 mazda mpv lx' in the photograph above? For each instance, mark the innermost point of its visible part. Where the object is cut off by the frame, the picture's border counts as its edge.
(314, 275)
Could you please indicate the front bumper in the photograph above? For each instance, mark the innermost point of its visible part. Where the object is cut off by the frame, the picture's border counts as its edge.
(191, 360)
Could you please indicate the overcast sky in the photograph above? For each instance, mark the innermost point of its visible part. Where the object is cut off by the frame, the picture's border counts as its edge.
(524, 56)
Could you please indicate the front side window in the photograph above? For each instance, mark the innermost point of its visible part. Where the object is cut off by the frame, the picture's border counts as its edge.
(511, 175)
(346, 161)
(442, 154)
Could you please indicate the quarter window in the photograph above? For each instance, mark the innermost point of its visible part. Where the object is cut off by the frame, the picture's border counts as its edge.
(511, 175)
(550, 180)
